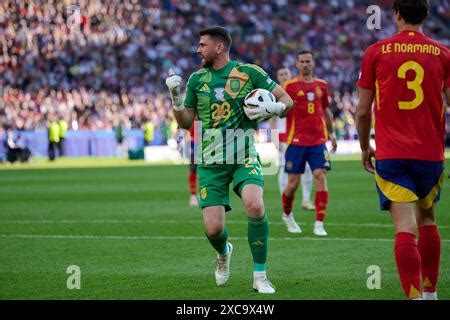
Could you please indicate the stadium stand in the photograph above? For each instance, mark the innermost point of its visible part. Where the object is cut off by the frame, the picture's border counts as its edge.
(93, 62)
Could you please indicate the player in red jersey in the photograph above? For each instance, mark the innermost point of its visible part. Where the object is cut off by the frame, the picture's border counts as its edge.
(309, 126)
(283, 75)
(406, 75)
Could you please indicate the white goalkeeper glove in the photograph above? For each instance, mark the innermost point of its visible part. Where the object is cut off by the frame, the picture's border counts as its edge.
(173, 82)
(265, 110)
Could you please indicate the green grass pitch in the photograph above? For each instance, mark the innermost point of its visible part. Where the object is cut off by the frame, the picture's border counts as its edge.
(133, 235)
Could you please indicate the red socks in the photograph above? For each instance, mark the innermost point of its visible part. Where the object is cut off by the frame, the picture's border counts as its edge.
(321, 203)
(287, 203)
(407, 257)
(430, 253)
(193, 183)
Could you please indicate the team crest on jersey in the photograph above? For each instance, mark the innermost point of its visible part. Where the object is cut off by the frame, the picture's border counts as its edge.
(289, 165)
(310, 96)
(235, 85)
(218, 92)
(203, 193)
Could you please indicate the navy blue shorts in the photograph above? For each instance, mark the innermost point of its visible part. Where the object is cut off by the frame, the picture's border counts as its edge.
(405, 180)
(297, 157)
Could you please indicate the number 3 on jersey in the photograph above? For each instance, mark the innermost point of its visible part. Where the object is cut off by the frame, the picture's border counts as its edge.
(415, 85)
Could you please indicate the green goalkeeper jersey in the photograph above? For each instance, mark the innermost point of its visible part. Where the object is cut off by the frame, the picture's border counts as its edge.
(218, 98)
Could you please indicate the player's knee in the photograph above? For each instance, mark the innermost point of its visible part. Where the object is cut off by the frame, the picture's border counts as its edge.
(319, 175)
(255, 208)
(214, 232)
(406, 227)
(294, 183)
(425, 216)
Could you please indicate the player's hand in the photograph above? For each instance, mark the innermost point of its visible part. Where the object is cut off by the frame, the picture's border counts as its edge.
(265, 110)
(273, 108)
(253, 113)
(333, 143)
(366, 157)
(173, 82)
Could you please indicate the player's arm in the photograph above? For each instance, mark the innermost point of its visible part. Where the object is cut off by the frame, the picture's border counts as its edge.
(283, 97)
(328, 116)
(364, 124)
(447, 95)
(329, 123)
(184, 116)
(267, 109)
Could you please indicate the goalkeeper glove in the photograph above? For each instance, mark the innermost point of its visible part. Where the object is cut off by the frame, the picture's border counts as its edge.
(173, 82)
(265, 110)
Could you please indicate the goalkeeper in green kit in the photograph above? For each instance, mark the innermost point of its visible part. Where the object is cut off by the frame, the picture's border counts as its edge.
(227, 154)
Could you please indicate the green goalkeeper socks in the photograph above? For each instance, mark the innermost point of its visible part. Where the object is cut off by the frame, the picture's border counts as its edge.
(258, 236)
(220, 244)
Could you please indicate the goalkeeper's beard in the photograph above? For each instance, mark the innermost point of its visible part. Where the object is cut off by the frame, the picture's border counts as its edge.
(207, 63)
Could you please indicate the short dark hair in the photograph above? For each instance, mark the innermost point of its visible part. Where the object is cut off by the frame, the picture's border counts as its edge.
(412, 11)
(282, 66)
(219, 33)
(305, 52)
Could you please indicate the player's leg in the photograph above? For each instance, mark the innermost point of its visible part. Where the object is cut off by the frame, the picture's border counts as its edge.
(321, 200)
(282, 179)
(430, 250)
(397, 193)
(319, 160)
(248, 183)
(214, 201)
(258, 235)
(193, 185)
(282, 175)
(287, 198)
(217, 234)
(429, 177)
(407, 256)
(295, 166)
(193, 201)
(307, 184)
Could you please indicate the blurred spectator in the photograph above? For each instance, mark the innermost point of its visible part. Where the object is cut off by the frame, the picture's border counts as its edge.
(118, 134)
(149, 132)
(53, 137)
(16, 149)
(10, 146)
(63, 126)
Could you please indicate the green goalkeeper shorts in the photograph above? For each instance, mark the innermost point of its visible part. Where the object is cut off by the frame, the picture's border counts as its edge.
(214, 181)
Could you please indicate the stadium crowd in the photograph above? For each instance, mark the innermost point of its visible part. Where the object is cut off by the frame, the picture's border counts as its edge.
(99, 63)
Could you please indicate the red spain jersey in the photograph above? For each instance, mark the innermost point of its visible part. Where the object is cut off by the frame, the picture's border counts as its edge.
(408, 73)
(305, 122)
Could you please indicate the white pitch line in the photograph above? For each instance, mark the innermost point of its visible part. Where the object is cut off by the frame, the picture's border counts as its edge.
(111, 237)
(333, 224)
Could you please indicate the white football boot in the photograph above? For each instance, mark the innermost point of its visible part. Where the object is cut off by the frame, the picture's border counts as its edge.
(290, 223)
(193, 202)
(261, 283)
(319, 229)
(222, 271)
(429, 296)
